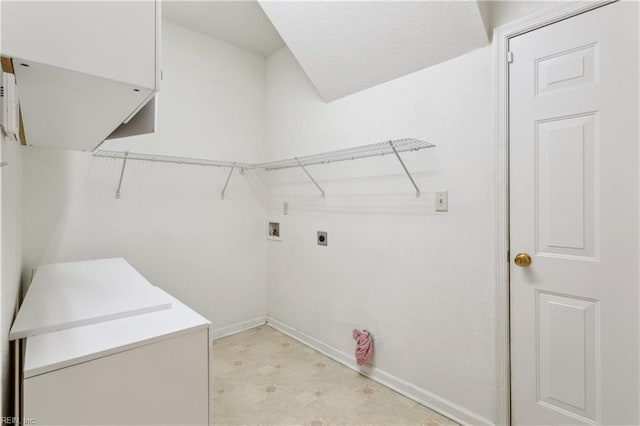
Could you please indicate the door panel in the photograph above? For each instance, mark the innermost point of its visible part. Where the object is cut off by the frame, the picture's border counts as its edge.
(574, 159)
(568, 363)
(567, 69)
(566, 178)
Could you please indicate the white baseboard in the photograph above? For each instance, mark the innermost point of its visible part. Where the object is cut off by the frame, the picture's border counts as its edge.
(221, 332)
(422, 396)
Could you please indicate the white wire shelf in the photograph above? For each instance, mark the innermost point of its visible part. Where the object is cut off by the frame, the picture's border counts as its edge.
(372, 150)
(126, 155)
(363, 151)
(167, 159)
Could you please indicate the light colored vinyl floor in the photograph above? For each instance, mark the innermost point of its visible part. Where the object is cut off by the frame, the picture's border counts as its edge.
(263, 377)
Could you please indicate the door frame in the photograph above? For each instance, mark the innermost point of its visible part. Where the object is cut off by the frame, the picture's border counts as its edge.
(501, 36)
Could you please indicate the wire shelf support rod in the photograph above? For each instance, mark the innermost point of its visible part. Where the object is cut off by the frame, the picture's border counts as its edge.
(310, 177)
(413, 182)
(124, 164)
(227, 182)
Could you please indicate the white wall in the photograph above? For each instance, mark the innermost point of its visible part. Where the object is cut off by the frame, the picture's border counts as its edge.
(11, 254)
(170, 223)
(497, 12)
(421, 281)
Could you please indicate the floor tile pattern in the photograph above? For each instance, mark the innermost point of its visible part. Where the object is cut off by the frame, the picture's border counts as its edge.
(263, 377)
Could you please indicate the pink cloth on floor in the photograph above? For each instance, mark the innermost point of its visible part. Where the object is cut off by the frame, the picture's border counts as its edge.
(364, 345)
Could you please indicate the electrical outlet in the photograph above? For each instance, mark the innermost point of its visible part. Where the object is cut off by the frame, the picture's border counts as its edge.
(442, 201)
(322, 238)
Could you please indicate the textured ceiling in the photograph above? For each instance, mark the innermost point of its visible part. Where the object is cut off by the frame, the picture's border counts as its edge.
(240, 23)
(345, 47)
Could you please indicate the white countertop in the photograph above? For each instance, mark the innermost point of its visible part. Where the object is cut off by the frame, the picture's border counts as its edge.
(53, 351)
(73, 294)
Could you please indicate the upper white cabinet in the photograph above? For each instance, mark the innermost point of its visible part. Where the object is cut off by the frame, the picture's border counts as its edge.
(82, 68)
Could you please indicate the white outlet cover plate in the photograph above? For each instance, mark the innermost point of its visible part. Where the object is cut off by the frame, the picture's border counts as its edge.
(442, 201)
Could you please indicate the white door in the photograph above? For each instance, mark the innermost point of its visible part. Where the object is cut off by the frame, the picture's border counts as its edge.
(574, 185)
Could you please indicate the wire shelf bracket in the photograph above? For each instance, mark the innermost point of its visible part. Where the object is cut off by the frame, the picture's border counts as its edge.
(413, 182)
(124, 164)
(227, 182)
(310, 177)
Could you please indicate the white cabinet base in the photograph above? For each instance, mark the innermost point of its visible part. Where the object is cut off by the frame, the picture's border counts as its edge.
(166, 382)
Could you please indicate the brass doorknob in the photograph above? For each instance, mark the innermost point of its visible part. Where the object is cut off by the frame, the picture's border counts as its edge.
(522, 259)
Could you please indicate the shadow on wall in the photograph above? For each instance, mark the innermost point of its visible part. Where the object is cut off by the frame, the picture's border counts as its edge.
(51, 186)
